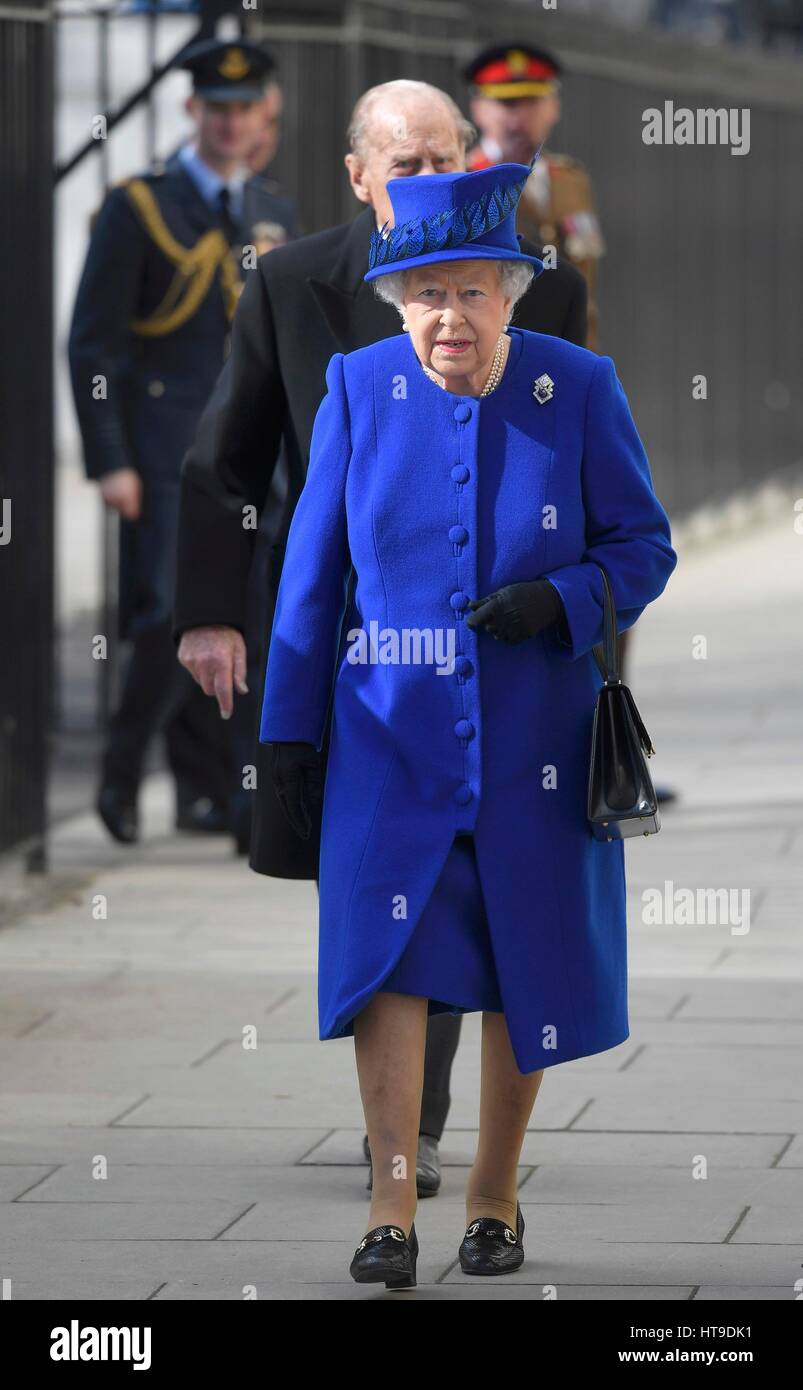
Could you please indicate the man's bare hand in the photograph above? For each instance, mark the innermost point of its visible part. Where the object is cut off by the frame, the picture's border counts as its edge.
(122, 491)
(216, 658)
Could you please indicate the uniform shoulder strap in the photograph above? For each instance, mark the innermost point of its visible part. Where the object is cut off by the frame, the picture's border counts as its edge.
(150, 214)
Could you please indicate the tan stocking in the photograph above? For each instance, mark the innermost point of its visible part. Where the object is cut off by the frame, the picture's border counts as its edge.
(390, 1040)
(506, 1101)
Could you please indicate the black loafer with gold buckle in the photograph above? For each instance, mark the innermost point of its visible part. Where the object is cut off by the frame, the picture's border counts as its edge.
(491, 1247)
(385, 1254)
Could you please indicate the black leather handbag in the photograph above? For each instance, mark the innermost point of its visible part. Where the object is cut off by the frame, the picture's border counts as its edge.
(621, 796)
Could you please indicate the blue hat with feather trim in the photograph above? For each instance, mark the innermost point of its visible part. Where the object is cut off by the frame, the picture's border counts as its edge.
(452, 217)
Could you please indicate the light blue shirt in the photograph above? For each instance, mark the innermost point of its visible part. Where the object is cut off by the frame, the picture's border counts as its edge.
(209, 182)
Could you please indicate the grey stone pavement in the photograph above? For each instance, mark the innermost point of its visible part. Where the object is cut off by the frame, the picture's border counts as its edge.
(146, 1153)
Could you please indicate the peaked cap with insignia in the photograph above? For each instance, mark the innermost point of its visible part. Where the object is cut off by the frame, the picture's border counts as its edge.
(509, 71)
(235, 71)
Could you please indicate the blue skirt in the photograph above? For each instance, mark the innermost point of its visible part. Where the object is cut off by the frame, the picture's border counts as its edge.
(449, 958)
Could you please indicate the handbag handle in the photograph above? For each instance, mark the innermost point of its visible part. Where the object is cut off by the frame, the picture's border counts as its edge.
(606, 653)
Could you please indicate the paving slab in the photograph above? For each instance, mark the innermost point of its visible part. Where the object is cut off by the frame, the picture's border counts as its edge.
(131, 1144)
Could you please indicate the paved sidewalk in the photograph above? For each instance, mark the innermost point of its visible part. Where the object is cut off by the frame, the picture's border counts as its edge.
(146, 1153)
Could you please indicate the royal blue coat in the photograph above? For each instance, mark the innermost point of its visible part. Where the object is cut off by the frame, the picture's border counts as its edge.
(436, 499)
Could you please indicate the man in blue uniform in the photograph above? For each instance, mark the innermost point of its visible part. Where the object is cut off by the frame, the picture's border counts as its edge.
(150, 332)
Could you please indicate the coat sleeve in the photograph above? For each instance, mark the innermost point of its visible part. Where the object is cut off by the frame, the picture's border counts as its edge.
(626, 528)
(312, 592)
(229, 466)
(108, 296)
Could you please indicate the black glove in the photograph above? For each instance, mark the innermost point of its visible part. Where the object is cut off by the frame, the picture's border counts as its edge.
(518, 611)
(298, 775)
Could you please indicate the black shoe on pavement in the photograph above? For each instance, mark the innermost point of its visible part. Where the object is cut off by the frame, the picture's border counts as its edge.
(386, 1255)
(491, 1247)
(427, 1165)
(118, 811)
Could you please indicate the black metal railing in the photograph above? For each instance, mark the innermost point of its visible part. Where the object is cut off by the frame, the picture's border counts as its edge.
(26, 433)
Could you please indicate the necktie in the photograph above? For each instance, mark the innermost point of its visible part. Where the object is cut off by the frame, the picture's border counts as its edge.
(231, 228)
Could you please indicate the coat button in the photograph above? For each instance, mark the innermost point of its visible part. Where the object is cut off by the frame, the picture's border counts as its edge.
(459, 601)
(463, 794)
(463, 667)
(156, 388)
(460, 473)
(462, 413)
(458, 534)
(464, 728)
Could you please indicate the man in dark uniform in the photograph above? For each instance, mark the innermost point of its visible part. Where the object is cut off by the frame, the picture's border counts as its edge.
(515, 103)
(305, 302)
(150, 332)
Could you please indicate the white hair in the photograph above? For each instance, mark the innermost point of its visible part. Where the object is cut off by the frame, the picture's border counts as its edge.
(514, 277)
(401, 89)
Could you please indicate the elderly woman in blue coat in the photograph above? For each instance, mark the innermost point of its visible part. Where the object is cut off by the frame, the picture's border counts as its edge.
(441, 589)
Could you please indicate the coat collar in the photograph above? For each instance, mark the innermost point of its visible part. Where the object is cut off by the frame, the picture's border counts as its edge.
(356, 318)
(352, 260)
(258, 206)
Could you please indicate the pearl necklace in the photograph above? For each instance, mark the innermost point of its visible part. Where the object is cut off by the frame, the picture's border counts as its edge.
(494, 375)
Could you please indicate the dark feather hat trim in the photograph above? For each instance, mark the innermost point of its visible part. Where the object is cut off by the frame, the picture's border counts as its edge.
(451, 227)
